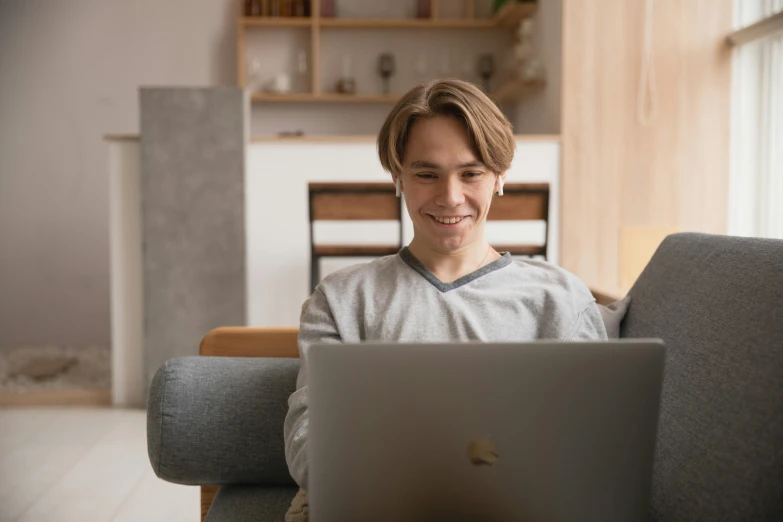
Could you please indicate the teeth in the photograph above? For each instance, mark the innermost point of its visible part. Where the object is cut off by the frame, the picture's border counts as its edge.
(448, 221)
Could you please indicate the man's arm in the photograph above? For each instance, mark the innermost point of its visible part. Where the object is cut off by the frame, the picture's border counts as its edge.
(589, 325)
(317, 325)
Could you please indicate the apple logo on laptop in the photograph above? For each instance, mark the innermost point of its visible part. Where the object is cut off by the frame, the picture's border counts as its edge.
(482, 452)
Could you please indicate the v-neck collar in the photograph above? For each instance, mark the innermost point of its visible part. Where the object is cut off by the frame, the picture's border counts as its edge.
(415, 264)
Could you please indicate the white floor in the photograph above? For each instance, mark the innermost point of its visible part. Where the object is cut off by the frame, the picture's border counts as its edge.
(84, 464)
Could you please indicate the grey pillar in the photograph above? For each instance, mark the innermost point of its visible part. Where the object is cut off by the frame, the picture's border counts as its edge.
(193, 219)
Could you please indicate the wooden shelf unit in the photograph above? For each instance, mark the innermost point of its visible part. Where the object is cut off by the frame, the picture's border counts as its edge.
(330, 97)
(265, 21)
(507, 18)
(514, 90)
(402, 23)
(510, 91)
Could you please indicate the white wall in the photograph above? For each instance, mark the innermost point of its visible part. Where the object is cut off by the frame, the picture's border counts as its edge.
(277, 227)
(128, 367)
(69, 73)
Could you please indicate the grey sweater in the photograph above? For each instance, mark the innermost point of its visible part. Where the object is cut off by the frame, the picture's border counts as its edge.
(396, 298)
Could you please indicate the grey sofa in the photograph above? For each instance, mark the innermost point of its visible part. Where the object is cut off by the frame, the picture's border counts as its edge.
(717, 302)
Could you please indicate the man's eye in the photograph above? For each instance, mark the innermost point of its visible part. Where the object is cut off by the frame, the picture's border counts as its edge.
(425, 175)
(472, 174)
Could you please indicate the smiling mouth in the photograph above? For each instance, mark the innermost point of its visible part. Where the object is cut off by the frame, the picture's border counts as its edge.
(448, 220)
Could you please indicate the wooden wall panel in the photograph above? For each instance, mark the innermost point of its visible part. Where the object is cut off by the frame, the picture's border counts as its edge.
(617, 173)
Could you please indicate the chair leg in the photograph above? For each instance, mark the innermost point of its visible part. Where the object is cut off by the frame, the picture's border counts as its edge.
(207, 496)
(314, 272)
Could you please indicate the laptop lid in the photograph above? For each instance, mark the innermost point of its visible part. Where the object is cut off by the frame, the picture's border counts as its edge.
(475, 431)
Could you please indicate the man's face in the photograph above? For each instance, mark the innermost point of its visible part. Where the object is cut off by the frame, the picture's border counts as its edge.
(447, 189)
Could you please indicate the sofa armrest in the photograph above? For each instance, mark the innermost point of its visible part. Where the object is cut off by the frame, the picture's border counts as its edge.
(219, 420)
(243, 341)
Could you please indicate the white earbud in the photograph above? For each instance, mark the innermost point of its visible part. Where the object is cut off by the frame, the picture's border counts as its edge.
(398, 186)
(500, 186)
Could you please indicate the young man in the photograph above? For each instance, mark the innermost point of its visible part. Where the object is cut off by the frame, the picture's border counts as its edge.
(447, 147)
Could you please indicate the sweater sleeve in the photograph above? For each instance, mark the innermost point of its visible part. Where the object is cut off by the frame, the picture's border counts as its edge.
(589, 325)
(317, 325)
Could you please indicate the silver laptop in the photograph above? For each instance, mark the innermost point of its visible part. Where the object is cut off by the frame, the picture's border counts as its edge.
(543, 431)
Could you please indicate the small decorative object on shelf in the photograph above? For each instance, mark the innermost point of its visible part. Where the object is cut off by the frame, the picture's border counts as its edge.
(423, 8)
(347, 83)
(327, 9)
(346, 86)
(386, 69)
(255, 79)
(500, 3)
(301, 61)
(280, 84)
(291, 134)
(301, 8)
(253, 8)
(486, 68)
(525, 65)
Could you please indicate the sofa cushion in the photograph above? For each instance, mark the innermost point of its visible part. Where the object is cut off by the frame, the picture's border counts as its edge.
(717, 302)
(250, 503)
(613, 316)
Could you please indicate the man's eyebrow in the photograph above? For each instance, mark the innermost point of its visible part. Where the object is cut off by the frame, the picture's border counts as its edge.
(423, 165)
(475, 163)
(428, 165)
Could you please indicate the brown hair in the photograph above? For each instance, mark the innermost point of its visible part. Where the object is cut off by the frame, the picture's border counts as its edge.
(489, 130)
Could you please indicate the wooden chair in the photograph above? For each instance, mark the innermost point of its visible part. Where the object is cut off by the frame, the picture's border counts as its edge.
(245, 342)
(351, 201)
(522, 202)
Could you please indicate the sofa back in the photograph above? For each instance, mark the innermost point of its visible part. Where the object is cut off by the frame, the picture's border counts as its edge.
(717, 302)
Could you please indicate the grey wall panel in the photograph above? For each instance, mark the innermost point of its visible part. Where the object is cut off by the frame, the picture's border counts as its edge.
(193, 220)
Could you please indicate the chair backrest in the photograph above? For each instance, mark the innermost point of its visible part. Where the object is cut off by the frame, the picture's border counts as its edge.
(353, 201)
(522, 202)
(377, 201)
(717, 302)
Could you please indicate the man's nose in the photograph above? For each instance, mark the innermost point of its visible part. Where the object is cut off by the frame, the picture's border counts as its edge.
(452, 195)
